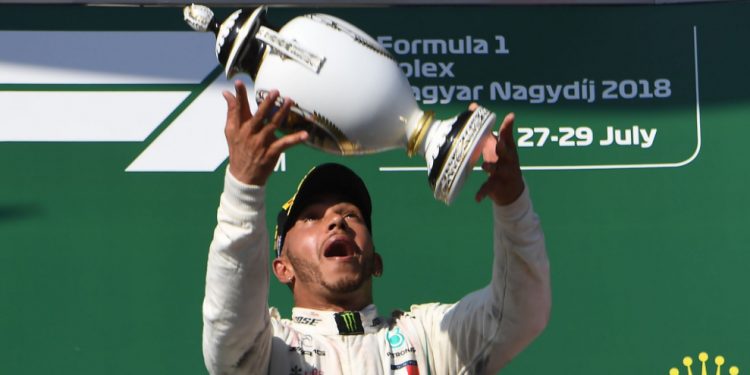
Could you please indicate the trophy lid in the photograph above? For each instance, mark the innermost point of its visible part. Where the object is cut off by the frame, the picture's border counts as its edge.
(200, 18)
(236, 47)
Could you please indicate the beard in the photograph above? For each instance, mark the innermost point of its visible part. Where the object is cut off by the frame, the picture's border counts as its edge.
(308, 273)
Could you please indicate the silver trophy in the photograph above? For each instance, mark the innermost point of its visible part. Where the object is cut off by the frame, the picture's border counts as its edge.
(350, 94)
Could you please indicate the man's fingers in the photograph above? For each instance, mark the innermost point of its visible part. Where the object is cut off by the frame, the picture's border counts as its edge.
(473, 106)
(483, 191)
(504, 183)
(264, 110)
(289, 140)
(278, 119)
(489, 167)
(241, 90)
(506, 131)
(488, 148)
(282, 113)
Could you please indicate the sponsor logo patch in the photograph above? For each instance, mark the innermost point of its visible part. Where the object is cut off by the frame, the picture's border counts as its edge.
(349, 323)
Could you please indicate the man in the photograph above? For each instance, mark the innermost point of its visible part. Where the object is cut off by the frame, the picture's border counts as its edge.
(325, 254)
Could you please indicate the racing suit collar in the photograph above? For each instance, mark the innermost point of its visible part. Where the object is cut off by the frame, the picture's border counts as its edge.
(337, 323)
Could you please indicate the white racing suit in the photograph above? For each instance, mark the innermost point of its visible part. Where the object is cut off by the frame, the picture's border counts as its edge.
(477, 335)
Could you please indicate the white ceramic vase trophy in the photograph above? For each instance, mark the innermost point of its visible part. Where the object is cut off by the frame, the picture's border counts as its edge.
(349, 92)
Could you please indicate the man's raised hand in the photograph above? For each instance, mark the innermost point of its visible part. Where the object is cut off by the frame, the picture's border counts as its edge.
(505, 182)
(253, 145)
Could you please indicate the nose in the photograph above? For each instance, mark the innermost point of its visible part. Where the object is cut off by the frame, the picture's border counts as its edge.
(337, 222)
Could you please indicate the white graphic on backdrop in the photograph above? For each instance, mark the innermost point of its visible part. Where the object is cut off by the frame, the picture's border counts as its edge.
(194, 141)
(114, 87)
(52, 116)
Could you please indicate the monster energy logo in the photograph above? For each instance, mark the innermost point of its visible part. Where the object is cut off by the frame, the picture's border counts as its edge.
(349, 323)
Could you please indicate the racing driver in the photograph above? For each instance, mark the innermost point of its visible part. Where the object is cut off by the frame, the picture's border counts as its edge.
(325, 255)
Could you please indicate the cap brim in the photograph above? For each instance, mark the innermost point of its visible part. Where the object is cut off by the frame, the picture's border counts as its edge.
(330, 179)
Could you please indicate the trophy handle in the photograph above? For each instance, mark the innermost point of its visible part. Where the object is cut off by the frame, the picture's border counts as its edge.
(290, 49)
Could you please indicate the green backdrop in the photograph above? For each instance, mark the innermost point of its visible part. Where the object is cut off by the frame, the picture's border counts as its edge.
(102, 270)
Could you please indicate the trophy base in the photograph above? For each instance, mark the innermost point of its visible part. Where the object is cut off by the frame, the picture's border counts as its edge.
(453, 163)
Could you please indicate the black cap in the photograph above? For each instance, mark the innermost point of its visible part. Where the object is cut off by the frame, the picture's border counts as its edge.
(330, 178)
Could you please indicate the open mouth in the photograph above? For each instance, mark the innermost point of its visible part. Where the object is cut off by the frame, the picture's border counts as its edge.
(340, 247)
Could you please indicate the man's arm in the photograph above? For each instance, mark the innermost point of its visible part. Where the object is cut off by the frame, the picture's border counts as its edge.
(237, 332)
(483, 331)
(520, 287)
(236, 329)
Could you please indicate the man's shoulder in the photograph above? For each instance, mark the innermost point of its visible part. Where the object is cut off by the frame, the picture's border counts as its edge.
(282, 327)
(276, 318)
(421, 311)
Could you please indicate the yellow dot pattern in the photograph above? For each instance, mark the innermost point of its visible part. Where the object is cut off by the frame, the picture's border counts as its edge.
(703, 357)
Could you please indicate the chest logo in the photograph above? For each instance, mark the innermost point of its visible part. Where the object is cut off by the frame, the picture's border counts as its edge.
(395, 338)
(349, 323)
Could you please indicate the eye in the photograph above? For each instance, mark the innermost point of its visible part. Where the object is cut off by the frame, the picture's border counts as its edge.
(307, 218)
(352, 215)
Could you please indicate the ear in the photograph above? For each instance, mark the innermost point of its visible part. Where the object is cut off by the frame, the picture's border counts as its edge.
(378, 266)
(283, 270)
